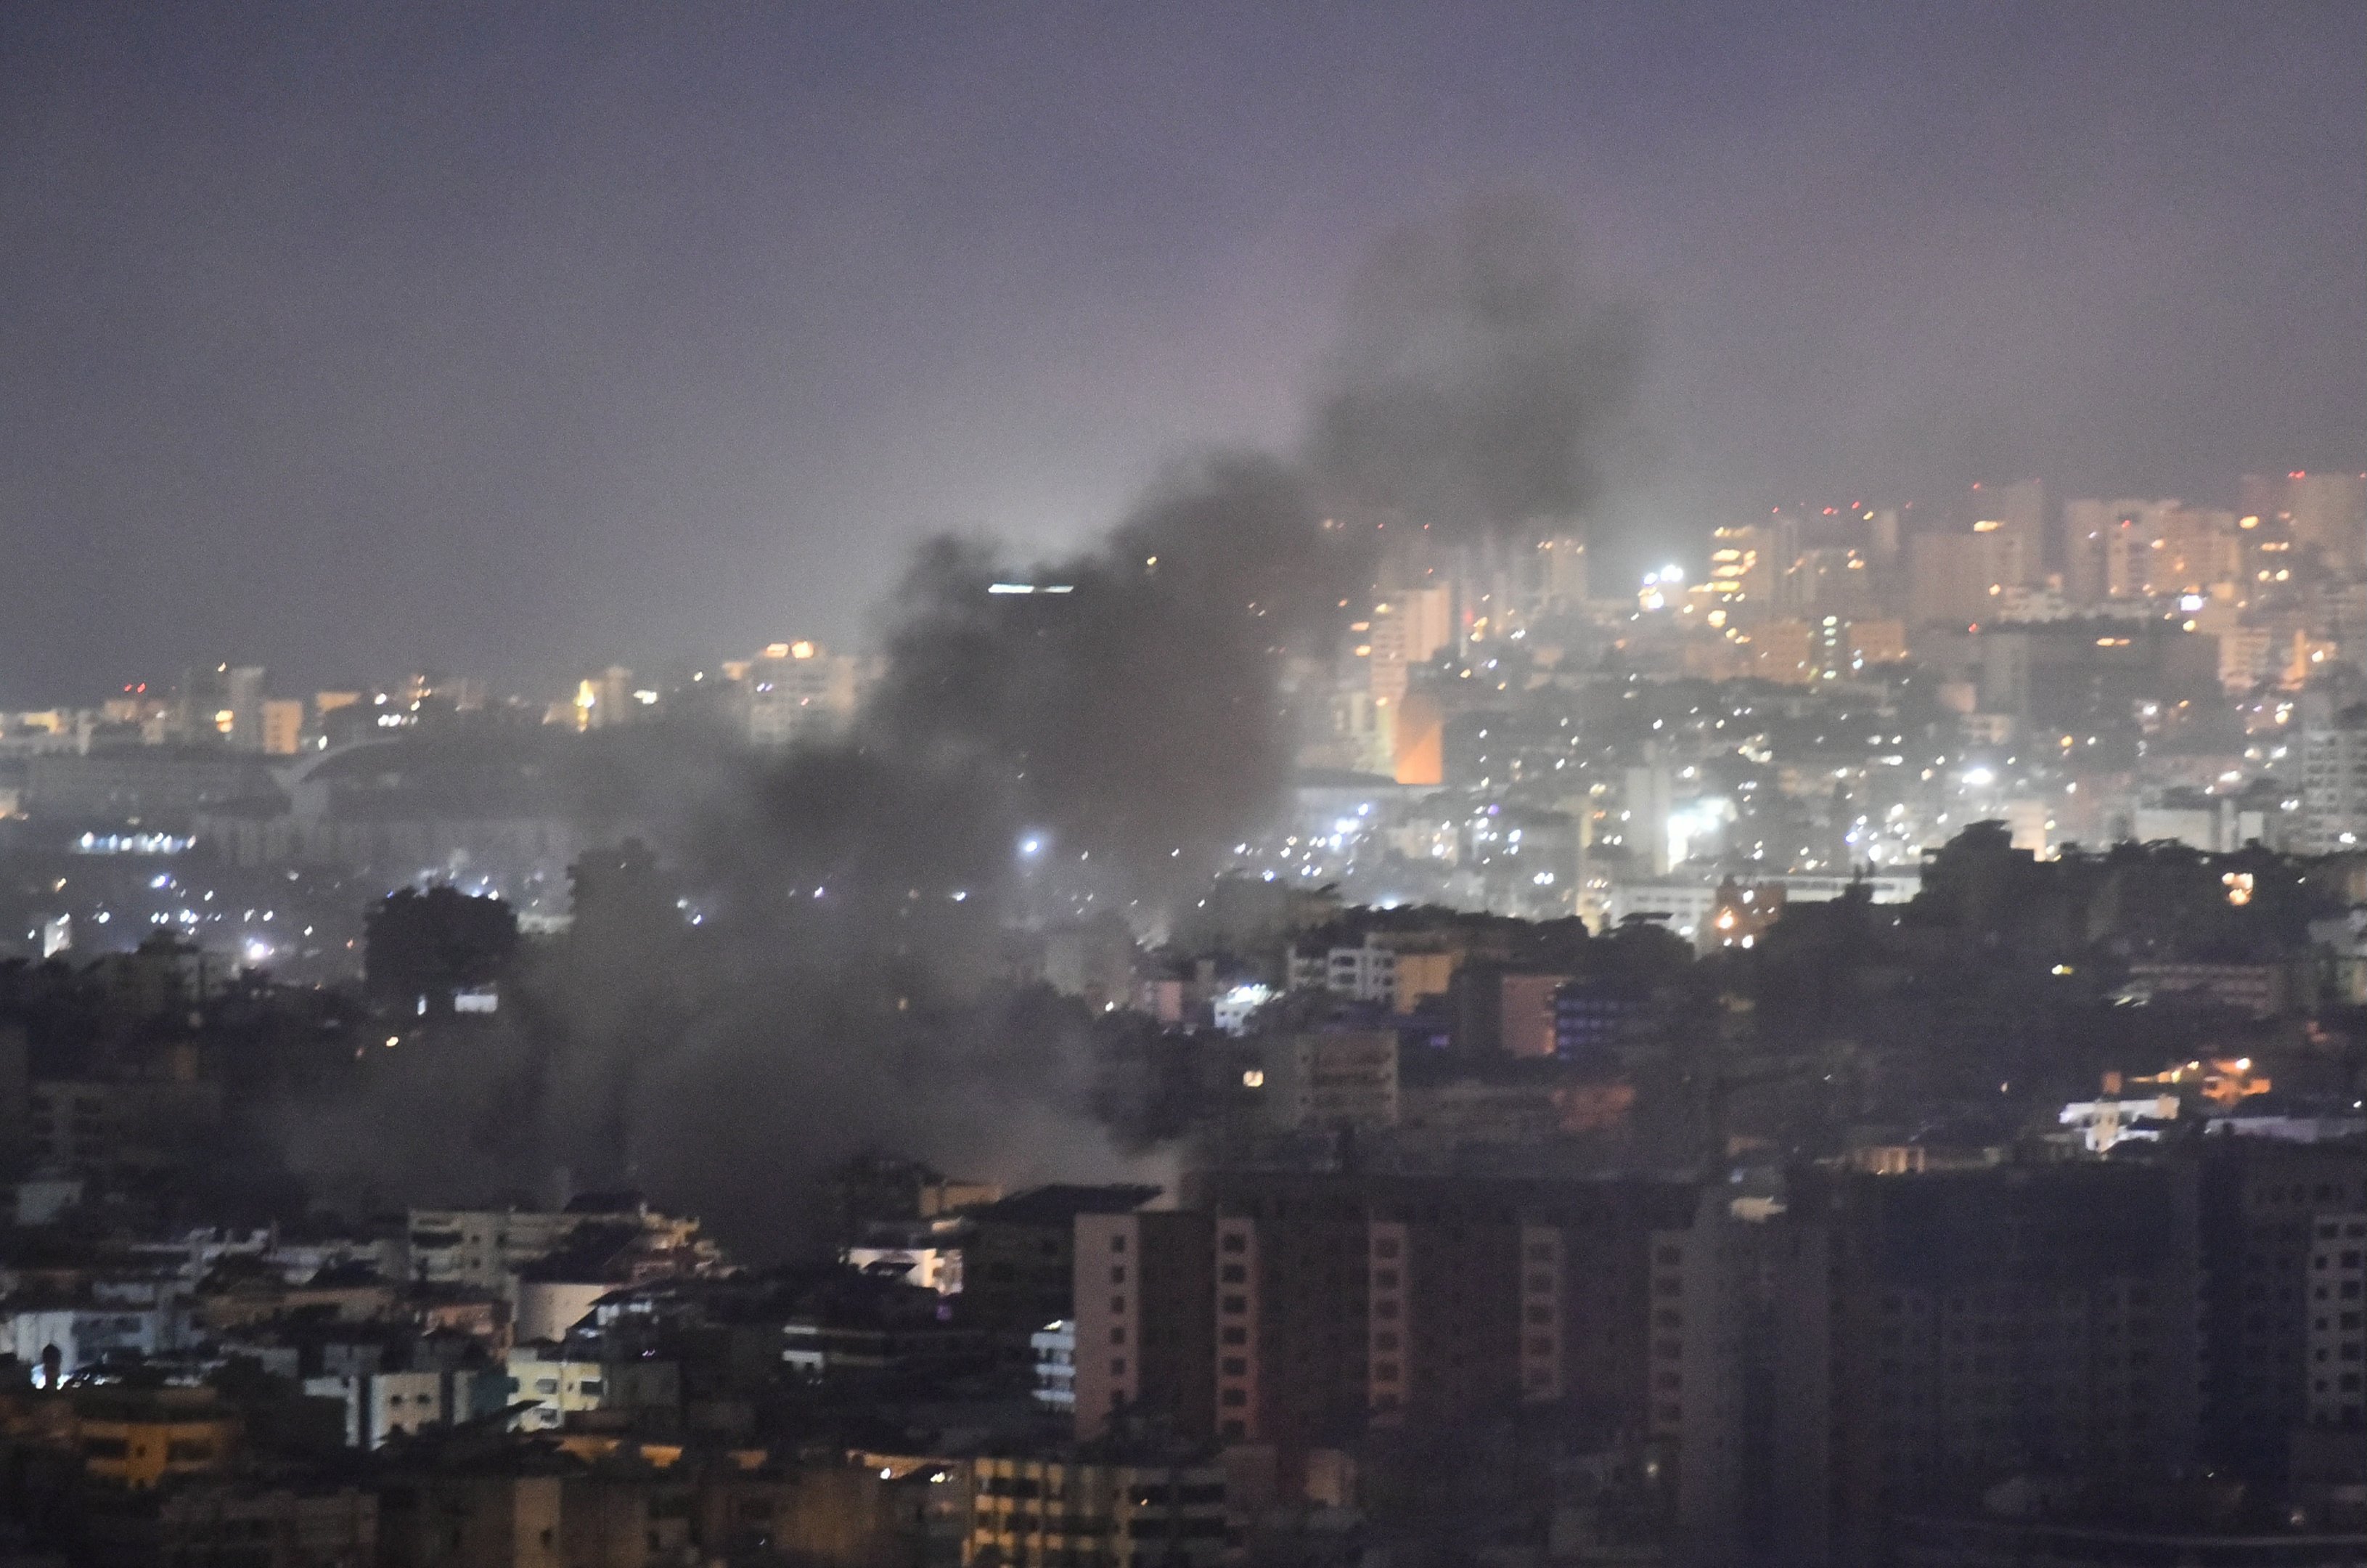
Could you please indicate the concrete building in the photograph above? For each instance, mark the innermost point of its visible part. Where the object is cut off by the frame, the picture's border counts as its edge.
(283, 728)
(143, 1438)
(485, 1249)
(1743, 570)
(85, 1334)
(2322, 512)
(1018, 1271)
(1343, 1300)
(1935, 1335)
(1331, 1078)
(379, 1405)
(919, 1252)
(2333, 772)
(2337, 1334)
(1409, 629)
(2263, 1202)
(2102, 541)
(1054, 1347)
(1711, 1309)
(1143, 1332)
(793, 691)
(1366, 972)
(552, 1384)
(1097, 1509)
(224, 706)
(1562, 576)
(2015, 515)
(1954, 579)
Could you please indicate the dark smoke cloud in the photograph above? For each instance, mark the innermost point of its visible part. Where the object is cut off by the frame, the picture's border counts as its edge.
(1133, 718)
(849, 985)
(1480, 377)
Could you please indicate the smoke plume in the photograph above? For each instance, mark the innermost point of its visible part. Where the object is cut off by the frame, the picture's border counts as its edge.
(1478, 378)
(1097, 742)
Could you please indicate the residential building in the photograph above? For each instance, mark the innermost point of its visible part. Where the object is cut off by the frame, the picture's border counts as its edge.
(1341, 1300)
(379, 1405)
(1019, 1270)
(2337, 1334)
(1326, 1079)
(2263, 1200)
(793, 691)
(486, 1248)
(1055, 1348)
(1143, 1333)
(1937, 1333)
(1098, 1508)
(144, 1438)
(2333, 772)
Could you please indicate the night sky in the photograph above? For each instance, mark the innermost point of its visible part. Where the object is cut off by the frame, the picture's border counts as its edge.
(515, 341)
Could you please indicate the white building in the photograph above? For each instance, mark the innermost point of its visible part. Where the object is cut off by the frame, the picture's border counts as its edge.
(1055, 1345)
(2103, 1124)
(795, 691)
(928, 1254)
(2219, 828)
(1231, 1010)
(85, 1334)
(379, 1404)
(1688, 905)
(1367, 974)
(546, 1309)
(485, 1248)
(553, 1386)
(2333, 773)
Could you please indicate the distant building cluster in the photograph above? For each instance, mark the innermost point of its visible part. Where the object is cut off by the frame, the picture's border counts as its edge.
(2016, 1216)
(259, 825)
(1837, 688)
(1853, 1054)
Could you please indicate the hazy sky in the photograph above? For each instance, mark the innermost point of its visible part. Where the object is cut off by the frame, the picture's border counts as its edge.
(515, 340)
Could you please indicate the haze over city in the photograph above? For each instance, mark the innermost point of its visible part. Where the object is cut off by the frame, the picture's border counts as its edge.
(542, 339)
(1066, 787)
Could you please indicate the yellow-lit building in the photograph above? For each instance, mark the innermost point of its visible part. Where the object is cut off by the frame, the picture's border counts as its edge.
(137, 1438)
(1406, 630)
(1032, 1513)
(283, 727)
(1742, 568)
(1419, 739)
(1876, 643)
(1784, 651)
(1419, 975)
